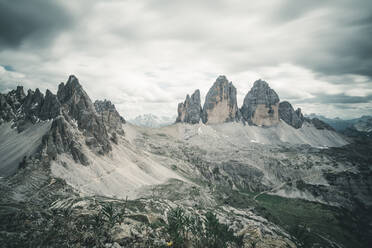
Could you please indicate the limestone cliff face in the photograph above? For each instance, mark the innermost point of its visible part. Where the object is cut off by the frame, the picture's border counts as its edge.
(76, 105)
(220, 103)
(289, 115)
(190, 110)
(261, 105)
(111, 118)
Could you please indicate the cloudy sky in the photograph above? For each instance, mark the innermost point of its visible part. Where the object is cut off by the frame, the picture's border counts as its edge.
(146, 55)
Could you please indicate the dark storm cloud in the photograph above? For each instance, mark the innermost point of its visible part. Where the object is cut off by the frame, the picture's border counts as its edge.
(341, 42)
(337, 98)
(37, 20)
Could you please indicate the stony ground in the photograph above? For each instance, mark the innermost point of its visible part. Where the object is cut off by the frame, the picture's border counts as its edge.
(282, 194)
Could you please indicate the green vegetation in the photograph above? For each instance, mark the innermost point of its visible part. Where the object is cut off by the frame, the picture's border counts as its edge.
(207, 231)
(313, 224)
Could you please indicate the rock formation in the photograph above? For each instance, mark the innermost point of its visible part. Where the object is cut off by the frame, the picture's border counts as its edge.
(190, 110)
(76, 105)
(74, 119)
(60, 138)
(261, 105)
(318, 124)
(289, 115)
(220, 103)
(110, 117)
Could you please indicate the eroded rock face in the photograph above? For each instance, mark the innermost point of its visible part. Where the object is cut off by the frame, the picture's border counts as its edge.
(110, 117)
(60, 139)
(10, 103)
(220, 103)
(190, 110)
(289, 115)
(76, 105)
(261, 105)
(74, 120)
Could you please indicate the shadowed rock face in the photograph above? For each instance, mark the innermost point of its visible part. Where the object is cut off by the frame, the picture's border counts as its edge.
(77, 105)
(110, 117)
(25, 110)
(289, 115)
(10, 104)
(190, 110)
(261, 105)
(60, 138)
(220, 103)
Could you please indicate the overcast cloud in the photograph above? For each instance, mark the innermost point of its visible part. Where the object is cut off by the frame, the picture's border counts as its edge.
(147, 55)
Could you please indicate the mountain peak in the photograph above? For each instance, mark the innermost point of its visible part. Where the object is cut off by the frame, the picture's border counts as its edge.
(190, 110)
(220, 103)
(261, 105)
(260, 84)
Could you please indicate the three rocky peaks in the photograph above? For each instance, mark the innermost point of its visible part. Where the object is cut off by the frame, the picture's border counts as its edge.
(75, 120)
(261, 107)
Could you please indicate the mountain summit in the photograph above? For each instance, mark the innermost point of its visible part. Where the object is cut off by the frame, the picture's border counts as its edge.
(220, 103)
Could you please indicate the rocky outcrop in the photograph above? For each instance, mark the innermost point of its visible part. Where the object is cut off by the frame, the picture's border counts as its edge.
(318, 124)
(71, 118)
(261, 105)
(190, 110)
(76, 105)
(110, 118)
(289, 115)
(60, 139)
(10, 105)
(51, 107)
(220, 103)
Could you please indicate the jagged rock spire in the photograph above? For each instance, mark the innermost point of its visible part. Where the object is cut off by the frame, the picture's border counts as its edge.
(190, 110)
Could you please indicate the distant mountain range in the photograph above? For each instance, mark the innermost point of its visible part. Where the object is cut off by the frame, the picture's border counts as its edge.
(357, 127)
(151, 120)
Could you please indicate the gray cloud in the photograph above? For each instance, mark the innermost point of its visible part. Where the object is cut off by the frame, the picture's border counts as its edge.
(337, 98)
(36, 20)
(147, 55)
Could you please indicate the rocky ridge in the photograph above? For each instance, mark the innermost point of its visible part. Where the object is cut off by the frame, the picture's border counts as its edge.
(289, 115)
(75, 120)
(261, 107)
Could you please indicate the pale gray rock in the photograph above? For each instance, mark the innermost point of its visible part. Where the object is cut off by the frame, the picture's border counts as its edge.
(190, 110)
(110, 117)
(220, 103)
(260, 106)
(289, 115)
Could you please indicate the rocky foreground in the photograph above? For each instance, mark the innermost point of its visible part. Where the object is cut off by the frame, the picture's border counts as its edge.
(75, 174)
